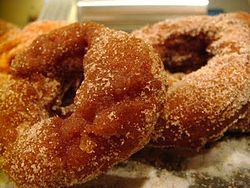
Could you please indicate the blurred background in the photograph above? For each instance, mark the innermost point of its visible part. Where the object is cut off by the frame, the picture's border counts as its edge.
(118, 14)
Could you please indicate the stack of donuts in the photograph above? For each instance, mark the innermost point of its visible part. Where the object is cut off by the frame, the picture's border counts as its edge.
(76, 99)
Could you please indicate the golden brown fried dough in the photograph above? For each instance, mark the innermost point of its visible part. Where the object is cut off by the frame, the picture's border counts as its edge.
(114, 110)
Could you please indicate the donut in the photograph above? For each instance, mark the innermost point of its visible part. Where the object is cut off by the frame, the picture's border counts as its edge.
(207, 68)
(112, 115)
(18, 40)
(9, 48)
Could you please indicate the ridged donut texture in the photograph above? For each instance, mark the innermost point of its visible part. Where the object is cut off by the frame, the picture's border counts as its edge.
(113, 114)
(207, 63)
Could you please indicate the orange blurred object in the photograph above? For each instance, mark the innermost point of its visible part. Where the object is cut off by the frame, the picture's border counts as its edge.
(14, 40)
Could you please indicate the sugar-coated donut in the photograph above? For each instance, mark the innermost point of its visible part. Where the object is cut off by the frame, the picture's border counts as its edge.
(113, 114)
(16, 104)
(207, 63)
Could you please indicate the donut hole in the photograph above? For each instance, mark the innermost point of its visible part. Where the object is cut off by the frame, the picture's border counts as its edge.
(70, 91)
(69, 72)
(63, 105)
(185, 53)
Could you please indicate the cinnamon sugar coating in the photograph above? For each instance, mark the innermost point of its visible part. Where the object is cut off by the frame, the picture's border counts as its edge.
(113, 113)
(23, 102)
(207, 63)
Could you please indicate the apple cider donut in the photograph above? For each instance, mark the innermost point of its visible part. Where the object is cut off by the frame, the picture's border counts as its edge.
(113, 114)
(207, 63)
